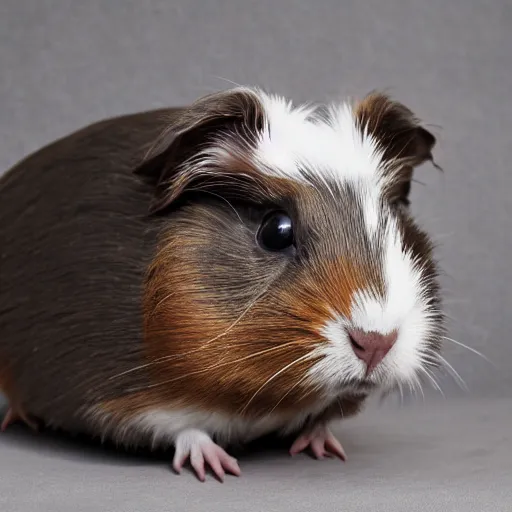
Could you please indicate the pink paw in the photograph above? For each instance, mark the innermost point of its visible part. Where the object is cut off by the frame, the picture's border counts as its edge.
(202, 451)
(321, 441)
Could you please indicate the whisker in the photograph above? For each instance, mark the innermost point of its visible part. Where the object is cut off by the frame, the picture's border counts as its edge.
(411, 390)
(298, 383)
(275, 375)
(430, 358)
(221, 364)
(219, 197)
(417, 386)
(227, 80)
(161, 301)
(401, 391)
(471, 349)
(432, 380)
(163, 359)
(341, 408)
(454, 373)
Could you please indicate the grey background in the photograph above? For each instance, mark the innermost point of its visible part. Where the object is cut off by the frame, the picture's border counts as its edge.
(64, 64)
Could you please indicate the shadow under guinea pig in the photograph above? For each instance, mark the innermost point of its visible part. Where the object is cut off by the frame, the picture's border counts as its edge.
(92, 450)
(361, 440)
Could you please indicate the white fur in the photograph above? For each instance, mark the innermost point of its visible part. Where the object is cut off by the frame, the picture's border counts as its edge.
(187, 439)
(403, 308)
(330, 146)
(164, 426)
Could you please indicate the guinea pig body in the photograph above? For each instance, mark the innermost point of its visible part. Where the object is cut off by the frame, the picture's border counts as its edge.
(209, 274)
(76, 242)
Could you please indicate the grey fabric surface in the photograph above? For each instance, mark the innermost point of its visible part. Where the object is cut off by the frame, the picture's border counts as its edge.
(435, 458)
(64, 64)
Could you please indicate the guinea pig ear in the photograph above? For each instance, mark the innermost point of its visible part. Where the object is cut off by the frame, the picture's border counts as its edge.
(213, 121)
(397, 131)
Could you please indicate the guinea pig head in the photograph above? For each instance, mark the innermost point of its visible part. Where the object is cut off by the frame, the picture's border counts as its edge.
(289, 271)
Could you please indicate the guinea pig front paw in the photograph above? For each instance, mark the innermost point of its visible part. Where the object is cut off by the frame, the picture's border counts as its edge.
(201, 450)
(321, 441)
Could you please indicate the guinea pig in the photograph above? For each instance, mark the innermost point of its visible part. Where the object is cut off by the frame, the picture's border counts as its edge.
(201, 276)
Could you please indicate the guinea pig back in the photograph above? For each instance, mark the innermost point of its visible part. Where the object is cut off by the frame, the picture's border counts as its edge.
(75, 242)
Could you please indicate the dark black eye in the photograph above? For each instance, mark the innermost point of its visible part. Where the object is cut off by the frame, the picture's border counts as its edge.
(276, 232)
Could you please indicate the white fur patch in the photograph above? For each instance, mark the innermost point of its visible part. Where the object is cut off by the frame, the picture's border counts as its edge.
(300, 142)
(163, 426)
(403, 308)
(329, 146)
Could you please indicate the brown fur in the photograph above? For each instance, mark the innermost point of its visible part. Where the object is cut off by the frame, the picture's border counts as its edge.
(104, 306)
(404, 143)
(397, 129)
(201, 356)
(75, 243)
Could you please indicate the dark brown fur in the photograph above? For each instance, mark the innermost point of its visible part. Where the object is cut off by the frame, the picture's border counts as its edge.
(104, 305)
(75, 243)
(404, 143)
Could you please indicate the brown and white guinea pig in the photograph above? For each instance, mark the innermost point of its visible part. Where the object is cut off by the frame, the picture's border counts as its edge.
(200, 276)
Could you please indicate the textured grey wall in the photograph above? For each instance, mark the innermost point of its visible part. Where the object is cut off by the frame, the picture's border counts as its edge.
(66, 63)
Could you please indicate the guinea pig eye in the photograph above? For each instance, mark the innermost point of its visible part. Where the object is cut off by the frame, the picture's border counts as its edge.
(276, 232)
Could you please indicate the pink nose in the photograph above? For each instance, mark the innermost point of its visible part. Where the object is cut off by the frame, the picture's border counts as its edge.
(371, 347)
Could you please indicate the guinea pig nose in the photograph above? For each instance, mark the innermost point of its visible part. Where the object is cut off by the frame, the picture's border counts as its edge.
(371, 347)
